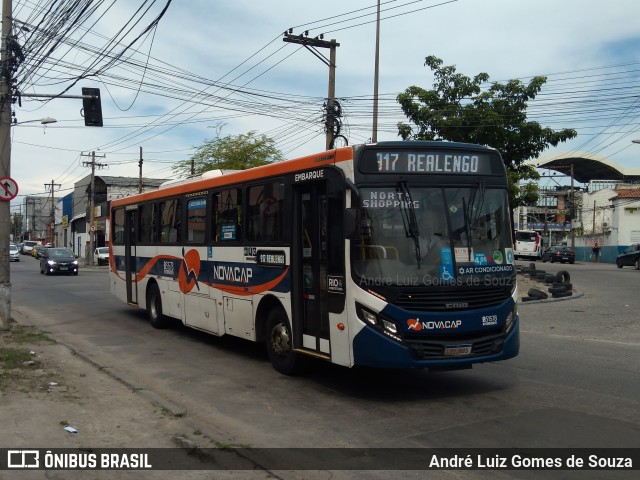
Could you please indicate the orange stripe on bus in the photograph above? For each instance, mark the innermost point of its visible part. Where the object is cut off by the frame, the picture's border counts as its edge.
(317, 160)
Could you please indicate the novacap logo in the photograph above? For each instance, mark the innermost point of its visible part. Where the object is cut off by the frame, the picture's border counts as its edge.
(189, 271)
(414, 324)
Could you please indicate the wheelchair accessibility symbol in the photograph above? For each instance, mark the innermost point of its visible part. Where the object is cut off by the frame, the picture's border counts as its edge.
(445, 274)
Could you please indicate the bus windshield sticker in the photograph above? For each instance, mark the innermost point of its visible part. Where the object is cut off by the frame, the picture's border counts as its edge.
(463, 254)
(195, 204)
(336, 284)
(508, 255)
(228, 231)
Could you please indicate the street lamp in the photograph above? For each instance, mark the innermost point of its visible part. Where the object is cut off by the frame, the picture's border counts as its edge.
(43, 121)
(635, 141)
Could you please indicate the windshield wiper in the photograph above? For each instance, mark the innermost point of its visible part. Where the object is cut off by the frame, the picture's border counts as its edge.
(471, 212)
(408, 214)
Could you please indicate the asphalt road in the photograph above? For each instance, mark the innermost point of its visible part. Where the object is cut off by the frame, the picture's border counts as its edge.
(575, 384)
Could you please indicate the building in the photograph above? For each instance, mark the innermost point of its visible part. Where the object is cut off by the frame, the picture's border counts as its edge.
(38, 219)
(72, 227)
(605, 211)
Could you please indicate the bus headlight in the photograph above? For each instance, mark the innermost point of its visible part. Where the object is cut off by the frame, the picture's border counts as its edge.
(511, 319)
(379, 322)
(366, 315)
(390, 326)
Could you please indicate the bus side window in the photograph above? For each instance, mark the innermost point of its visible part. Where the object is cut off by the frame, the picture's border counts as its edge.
(147, 232)
(196, 220)
(264, 212)
(227, 212)
(170, 225)
(118, 226)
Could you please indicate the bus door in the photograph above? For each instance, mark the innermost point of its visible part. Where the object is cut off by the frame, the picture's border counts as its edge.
(131, 274)
(318, 286)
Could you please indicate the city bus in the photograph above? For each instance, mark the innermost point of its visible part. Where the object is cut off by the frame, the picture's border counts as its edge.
(528, 244)
(391, 255)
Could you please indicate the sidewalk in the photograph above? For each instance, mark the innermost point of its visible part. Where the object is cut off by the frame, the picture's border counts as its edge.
(53, 387)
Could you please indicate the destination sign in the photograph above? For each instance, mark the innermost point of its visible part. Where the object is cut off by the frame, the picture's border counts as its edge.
(271, 258)
(452, 162)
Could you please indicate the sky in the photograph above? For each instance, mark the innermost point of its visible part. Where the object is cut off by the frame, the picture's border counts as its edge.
(213, 64)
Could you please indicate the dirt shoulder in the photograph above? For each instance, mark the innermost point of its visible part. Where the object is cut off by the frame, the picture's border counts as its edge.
(45, 386)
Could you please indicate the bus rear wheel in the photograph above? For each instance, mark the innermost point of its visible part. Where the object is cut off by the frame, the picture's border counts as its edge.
(154, 307)
(280, 344)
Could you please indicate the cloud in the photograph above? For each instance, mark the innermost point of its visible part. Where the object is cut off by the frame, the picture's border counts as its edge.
(206, 40)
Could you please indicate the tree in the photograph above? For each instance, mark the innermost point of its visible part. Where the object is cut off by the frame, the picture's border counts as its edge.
(459, 110)
(233, 152)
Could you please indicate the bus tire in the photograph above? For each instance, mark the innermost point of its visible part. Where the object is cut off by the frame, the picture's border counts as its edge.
(154, 307)
(280, 344)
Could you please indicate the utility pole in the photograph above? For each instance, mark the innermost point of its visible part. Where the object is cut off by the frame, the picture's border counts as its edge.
(5, 166)
(311, 44)
(140, 168)
(32, 230)
(573, 214)
(52, 221)
(374, 134)
(92, 226)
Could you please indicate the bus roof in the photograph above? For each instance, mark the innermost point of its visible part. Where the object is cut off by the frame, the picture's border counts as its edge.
(317, 160)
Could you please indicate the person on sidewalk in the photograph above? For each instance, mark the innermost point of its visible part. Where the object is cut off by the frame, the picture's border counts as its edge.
(596, 252)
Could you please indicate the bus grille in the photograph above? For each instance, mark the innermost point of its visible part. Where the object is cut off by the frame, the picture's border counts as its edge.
(482, 344)
(452, 300)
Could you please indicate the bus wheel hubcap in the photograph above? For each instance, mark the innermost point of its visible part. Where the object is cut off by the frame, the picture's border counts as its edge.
(280, 340)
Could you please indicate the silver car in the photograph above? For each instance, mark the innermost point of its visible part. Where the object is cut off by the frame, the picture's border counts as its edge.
(14, 253)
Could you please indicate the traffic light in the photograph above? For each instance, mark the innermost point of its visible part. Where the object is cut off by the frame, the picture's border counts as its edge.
(92, 109)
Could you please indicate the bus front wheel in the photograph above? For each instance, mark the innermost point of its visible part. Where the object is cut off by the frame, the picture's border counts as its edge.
(280, 344)
(154, 307)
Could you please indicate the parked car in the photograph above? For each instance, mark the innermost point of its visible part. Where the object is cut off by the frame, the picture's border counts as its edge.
(559, 254)
(58, 260)
(630, 257)
(14, 253)
(101, 255)
(28, 245)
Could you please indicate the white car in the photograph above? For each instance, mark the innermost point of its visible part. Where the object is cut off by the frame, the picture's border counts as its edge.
(101, 256)
(28, 245)
(14, 253)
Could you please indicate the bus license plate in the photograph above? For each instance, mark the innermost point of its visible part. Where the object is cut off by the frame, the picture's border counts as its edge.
(457, 350)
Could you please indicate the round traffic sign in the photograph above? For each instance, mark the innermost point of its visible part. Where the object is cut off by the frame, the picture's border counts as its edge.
(8, 189)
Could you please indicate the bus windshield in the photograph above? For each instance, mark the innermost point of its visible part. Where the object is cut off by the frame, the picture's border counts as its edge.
(428, 235)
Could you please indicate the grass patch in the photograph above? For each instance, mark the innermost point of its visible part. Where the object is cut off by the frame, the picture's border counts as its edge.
(11, 358)
(14, 355)
(21, 335)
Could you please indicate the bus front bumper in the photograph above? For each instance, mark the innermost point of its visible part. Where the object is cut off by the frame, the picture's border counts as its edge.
(373, 349)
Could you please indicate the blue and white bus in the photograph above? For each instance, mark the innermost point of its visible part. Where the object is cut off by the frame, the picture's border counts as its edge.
(394, 254)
